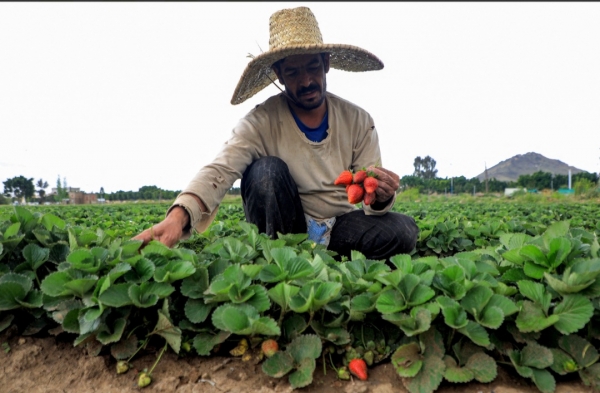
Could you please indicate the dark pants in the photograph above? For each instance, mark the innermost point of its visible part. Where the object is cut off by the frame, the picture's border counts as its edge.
(272, 203)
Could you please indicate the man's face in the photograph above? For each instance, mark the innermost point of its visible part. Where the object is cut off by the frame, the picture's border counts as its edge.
(304, 79)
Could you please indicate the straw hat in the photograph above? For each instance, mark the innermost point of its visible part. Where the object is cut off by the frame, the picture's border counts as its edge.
(294, 32)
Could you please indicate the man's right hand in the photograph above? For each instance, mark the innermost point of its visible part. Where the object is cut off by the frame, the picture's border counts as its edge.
(168, 231)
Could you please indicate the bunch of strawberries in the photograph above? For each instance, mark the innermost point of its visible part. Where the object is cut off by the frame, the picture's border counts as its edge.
(360, 186)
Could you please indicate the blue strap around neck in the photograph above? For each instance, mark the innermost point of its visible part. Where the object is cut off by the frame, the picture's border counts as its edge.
(314, 134)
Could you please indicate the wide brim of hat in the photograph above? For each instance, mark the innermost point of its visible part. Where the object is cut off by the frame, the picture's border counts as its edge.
(342, 57)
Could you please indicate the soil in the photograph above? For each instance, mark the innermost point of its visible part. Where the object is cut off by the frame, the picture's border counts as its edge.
(53, 365)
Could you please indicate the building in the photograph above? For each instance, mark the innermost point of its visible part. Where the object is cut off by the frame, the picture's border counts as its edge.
(76, 196)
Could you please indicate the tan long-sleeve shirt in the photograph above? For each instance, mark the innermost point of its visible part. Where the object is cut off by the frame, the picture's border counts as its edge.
(270, 130)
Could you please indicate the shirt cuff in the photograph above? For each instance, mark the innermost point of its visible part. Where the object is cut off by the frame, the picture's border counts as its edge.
(199, 220)
(369, 211)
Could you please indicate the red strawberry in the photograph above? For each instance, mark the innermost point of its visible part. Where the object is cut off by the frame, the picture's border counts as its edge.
(369, 198)
(269, 347)
(360, 176)
(344, 178)
(358, 368)
(370, 184)
(347, 187)
(355, 194)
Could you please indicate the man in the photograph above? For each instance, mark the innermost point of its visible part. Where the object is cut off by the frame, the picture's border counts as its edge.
(289, 150)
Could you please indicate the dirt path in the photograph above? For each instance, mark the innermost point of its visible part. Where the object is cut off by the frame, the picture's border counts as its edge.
(51, 365)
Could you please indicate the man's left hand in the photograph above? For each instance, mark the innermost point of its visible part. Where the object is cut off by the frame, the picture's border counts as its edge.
(387, 183)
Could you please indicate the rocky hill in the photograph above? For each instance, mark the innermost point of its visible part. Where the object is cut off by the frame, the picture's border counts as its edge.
(525, 164)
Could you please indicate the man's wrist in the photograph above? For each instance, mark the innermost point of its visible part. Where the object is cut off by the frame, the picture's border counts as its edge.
(181, 215)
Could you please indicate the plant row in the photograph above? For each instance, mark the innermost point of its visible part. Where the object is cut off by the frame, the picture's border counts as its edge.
(530, 301)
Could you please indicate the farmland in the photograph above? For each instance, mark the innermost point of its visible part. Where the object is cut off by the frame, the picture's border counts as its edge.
(495, 291)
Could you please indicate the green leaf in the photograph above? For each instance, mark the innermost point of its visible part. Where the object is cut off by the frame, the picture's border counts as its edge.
(125, 348)
(196, 310)
(165, 328)
(303, 376)
(6, 321)
(272, 273)
(534, 254)
(429, 378)
(532, 318)
(507, 306)
(54, 284)
(107, 335)
(50, 220)
(476, 333)
(544, 380)
(141, 271)
(534, 270)
(147, 294)
(535, 355)
(559, 250)
(10, 292)
(407, 360)
(390, 301)
(554, 230)
(591, 376)
(35, 255)
(266, 326)
(12, 230)
(278, 365)
(456, 374)
(454, 315)
(562, 363)
(195, 285)
(81, 286)
(232, 318)
(573, 313)
(580, 349)
(307, 346)
(298, 268)
(483, 366)
(205, 342)
(174, 271)
(116, 295)
(536, 293)
(282, 293)
(259, 300)
(492, 317)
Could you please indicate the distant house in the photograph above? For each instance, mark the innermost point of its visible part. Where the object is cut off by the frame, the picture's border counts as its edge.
(77, 197)
(511, 191)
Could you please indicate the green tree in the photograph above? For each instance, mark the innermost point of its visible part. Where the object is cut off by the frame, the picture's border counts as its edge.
(20, 186)
(61, 192)
(42, 185)
(425, 167)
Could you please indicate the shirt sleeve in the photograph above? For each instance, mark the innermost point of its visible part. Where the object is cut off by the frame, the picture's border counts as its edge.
(212, 182)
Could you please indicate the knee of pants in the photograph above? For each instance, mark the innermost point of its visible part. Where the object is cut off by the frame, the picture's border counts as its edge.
(266, 167)
(401, 241)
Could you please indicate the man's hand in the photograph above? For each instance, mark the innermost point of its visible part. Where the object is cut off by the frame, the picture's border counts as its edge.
(168, 231)
(387, 183)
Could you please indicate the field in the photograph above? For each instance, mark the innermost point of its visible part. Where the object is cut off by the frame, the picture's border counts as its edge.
(499, 295)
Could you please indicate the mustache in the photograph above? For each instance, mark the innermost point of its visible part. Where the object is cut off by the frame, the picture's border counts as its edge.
(308, 89)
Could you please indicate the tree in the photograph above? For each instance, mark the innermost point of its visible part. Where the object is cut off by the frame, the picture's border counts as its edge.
(425, 167)
(20, 186)
(61, 192)
(101, 192)
(42, 185)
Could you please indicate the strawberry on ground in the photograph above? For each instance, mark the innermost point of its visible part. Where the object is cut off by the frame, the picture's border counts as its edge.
(355, 194)
(344, 178)
(358, 368)
(370, 184)
(360, 176)
(269, 347)
(369, 198)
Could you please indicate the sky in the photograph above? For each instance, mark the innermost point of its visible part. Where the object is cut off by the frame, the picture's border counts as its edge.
(122, 95)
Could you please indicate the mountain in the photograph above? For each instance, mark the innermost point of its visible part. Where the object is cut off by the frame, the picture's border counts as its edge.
(526, 164)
